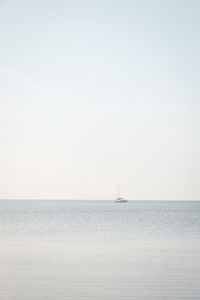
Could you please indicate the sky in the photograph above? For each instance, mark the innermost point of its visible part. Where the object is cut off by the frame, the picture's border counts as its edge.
(93, 93)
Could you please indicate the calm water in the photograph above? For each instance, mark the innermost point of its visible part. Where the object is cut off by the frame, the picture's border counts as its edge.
(99, 250)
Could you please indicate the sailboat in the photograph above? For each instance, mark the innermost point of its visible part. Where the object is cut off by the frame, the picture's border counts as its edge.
(120, 199)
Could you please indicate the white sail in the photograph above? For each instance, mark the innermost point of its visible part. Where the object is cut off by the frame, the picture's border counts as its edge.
(119, 198)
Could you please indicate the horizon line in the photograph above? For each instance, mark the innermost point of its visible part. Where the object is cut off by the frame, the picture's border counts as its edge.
(46, 199)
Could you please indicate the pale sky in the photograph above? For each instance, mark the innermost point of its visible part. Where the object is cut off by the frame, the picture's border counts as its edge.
(98, 92)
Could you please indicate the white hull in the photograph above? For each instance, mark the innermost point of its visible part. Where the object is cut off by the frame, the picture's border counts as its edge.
(120, 200)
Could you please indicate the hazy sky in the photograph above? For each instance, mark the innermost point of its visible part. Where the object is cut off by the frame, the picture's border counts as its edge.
(96, 92)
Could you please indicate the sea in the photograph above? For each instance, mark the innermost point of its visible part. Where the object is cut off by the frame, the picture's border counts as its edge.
(99, 250)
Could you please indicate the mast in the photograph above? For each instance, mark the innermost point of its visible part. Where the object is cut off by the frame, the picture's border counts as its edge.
(119, 194)
(119, 199)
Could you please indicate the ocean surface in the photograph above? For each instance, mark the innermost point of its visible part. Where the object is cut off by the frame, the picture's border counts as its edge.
(99, 250)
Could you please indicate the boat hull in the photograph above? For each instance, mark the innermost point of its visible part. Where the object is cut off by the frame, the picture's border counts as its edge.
(120, 200)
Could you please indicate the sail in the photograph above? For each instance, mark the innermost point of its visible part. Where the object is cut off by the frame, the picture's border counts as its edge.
(119, 198)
